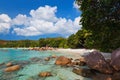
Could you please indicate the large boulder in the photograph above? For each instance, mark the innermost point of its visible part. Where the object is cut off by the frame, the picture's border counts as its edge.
(12, 68)
(95, 60)
(115, 59)
(62, 61)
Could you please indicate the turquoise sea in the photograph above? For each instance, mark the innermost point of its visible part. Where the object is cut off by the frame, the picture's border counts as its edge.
(32, 63)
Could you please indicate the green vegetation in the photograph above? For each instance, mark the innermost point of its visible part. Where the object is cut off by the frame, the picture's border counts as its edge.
(51, 42)
(78, 40)
(19, 43)
(102, 19)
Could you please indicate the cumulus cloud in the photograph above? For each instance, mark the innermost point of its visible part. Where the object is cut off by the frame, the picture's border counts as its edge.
(4, 23)
(44, 13)
(44, 21)
(20, 20)
(41, 21)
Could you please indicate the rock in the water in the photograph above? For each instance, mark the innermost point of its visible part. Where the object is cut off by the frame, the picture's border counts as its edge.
(12, 68)
(45, 74)
(102, 77)
(54, 56)
(80, 62)
(95, 60)
(70, 65)
(62, 61)
(47, 59)
(115, 59)
(9, 64)
(84, 72)
(82, 59)
(35, 59)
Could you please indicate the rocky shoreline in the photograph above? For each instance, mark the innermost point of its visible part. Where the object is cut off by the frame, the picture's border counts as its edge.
(42, 48)
(99, 65)
(90, 64)
(98, 68)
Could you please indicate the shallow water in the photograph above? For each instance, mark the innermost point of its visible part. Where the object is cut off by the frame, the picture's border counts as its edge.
(30, 68)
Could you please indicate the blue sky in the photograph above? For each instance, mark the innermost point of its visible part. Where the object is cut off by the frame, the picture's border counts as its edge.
(34, 19)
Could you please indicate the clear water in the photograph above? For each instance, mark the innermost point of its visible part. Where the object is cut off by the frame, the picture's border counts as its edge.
(30, 68)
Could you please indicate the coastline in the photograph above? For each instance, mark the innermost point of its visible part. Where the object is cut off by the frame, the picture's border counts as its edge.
(77, 53)
(72, 53)
(33, 61)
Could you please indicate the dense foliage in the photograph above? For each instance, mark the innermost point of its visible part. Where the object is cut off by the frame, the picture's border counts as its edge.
(102, 18)
(51, 42)
(19, 43)
(79, 39)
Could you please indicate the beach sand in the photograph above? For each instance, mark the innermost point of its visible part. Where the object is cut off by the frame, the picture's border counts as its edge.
(77, 53)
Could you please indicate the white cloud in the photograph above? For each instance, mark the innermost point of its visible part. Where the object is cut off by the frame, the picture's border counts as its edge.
(41, 21)
(29, 31)
(20, 20)
(75, 5)
(44, 13)
(4, 23)
(67, 27)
